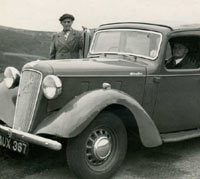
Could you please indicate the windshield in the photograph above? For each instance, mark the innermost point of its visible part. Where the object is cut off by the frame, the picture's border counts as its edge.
(136, 42)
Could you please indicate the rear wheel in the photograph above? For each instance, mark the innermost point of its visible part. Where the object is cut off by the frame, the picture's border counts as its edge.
(99, 150)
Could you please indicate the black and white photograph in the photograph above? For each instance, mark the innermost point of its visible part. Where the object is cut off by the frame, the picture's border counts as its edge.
(104, 89)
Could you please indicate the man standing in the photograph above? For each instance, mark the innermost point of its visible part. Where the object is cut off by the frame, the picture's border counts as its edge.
(68, 43)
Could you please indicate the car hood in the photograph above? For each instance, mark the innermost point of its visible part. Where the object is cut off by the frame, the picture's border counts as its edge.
(100, 66)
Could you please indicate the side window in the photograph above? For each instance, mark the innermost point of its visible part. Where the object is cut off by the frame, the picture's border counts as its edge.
(183, 53)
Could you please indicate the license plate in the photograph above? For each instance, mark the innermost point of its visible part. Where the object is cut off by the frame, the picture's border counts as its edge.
(13, 144)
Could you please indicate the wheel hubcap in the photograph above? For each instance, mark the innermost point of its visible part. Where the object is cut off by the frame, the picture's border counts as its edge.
(98, 147)
(102, 148)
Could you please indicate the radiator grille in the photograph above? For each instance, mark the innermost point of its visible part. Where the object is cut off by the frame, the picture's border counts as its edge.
(30, 83)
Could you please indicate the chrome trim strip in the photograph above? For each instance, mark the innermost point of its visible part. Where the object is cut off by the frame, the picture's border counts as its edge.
(173, 75)
(31, 138)
(136, 30)
(129, 75)
(35, 100)
(180, 136)
(82, 76)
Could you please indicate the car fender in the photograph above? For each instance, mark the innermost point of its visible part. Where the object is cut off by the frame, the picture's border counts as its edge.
(75, 116)
(7, 103)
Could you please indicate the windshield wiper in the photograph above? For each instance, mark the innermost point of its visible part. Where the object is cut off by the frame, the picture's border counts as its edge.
(94, 56)
(129, 57)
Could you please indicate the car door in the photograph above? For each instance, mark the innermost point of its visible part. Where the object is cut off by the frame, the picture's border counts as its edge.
(178, 95)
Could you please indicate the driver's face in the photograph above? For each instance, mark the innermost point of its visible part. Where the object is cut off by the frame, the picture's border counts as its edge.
(179, 50)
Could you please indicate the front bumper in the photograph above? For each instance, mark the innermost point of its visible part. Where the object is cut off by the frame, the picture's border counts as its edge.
(30, 138)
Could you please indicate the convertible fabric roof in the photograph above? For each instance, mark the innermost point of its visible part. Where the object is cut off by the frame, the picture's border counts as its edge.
(168, 26)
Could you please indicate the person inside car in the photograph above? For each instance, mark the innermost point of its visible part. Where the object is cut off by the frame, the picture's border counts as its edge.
(179, 54)
(182, 58)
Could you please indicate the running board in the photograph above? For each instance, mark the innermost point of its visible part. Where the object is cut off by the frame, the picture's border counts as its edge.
(179, 136)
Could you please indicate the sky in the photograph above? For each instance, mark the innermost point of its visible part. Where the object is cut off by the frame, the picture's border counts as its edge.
(43, 15)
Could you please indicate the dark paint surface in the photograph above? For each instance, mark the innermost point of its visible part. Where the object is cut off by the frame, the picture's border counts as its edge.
(177, 105)
(74, 117)
(94, 67)
(75, 86)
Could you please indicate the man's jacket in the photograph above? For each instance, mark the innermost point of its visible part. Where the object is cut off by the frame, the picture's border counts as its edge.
(62, 48)
(188, 62)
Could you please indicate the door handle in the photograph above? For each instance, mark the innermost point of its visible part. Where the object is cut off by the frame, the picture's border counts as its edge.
(156, 79)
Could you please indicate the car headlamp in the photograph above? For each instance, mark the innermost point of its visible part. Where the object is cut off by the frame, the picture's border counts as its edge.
(11, 77)
(51, 86)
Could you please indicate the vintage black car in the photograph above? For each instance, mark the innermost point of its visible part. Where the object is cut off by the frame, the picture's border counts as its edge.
(137, 78)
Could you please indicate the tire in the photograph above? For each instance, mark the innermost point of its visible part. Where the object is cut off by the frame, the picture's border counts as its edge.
(84, 155)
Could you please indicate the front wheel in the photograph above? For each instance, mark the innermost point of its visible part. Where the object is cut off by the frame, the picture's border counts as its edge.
(100, 149)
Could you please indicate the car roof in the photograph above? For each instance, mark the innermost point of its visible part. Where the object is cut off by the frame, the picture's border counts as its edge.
(160, 27)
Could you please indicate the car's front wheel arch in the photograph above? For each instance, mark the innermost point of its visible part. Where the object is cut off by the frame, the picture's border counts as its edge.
(100, 149)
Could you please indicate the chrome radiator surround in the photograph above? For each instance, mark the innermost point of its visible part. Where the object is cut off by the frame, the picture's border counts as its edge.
(28, 93)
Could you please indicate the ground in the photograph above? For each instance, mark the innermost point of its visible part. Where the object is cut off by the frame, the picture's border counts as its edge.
(169, 161)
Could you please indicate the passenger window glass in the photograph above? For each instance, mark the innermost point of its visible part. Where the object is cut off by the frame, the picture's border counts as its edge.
(183, 53)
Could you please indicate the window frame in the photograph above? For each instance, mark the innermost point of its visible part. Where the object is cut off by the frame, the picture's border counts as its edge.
(180, 34)
(136, 30)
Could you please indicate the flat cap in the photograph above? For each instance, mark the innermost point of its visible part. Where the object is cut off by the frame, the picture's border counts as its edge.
(66, 16)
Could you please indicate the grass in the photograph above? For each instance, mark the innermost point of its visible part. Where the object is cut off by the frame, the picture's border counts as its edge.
(19, 47)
